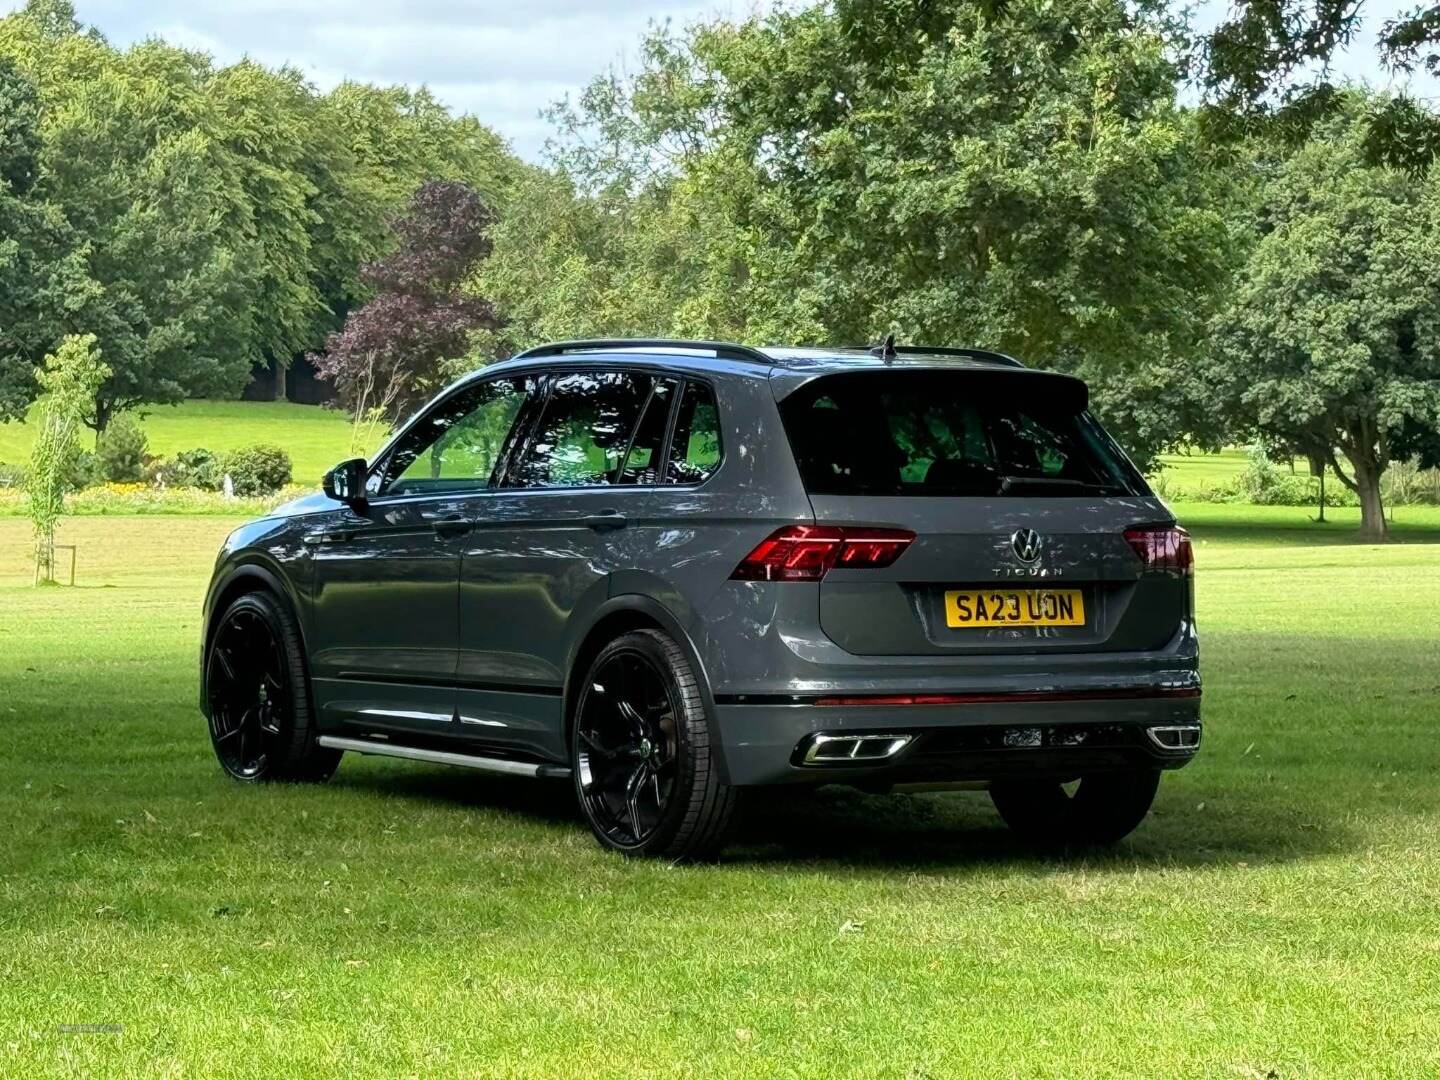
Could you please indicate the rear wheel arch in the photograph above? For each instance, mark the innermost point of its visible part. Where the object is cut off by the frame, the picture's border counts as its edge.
(620, 615)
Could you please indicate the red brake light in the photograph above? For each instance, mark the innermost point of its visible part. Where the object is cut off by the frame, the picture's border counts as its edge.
(807, 552)
(1163, 547)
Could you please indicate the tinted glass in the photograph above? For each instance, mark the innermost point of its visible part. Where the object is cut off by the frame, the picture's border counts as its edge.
(643, 462)
(958, 433)
(457, 446)
(695, 447)
(584, 430)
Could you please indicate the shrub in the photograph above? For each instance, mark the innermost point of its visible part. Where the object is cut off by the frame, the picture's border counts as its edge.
(258, 470)
(197, 468)
(1260, 474)
(81, 471)
(1218, 493)
(12, 476)
(147, 499)
(1405, 483)
(121, 451)
(1285, 490)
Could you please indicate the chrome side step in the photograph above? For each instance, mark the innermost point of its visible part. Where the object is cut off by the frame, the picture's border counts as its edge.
(503, 766)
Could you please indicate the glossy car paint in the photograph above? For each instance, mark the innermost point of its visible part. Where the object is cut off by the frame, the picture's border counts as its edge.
(460, 619)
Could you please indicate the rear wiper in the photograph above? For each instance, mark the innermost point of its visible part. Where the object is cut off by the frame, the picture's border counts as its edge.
(1009, 483)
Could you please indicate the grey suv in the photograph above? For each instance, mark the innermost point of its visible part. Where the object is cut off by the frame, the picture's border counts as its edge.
(675, 570)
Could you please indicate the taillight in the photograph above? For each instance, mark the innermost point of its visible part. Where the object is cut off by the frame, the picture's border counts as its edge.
(1163, 547)
(807, 552)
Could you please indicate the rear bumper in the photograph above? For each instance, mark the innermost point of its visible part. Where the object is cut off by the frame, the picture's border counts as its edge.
(765, 741)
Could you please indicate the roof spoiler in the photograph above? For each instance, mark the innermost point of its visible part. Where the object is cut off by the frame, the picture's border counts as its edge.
(889, 351)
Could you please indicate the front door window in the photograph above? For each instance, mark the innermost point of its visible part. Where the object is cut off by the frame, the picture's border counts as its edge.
(459, 445)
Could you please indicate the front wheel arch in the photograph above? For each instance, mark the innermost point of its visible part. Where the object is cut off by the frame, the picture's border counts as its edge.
(248, 578)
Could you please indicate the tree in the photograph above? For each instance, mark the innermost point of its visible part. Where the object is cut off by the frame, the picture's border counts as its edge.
(32, 246)
(1267, 66)
(265, 122)
(199, 221)
(391, 353)
(1018, 177)
(1332, 339)
(69, 378)
(142, 188)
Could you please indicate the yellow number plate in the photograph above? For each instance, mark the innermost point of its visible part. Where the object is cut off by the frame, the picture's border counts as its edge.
(1015, 607)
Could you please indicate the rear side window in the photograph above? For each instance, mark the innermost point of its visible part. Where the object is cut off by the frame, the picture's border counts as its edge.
(584, 431)
(695, 444)
(951, 433)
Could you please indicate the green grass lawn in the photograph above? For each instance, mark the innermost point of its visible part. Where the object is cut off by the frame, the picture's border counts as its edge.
(316, 438)
(1277, 915)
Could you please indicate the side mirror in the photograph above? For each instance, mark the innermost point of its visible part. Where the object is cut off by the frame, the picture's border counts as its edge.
(346, 482)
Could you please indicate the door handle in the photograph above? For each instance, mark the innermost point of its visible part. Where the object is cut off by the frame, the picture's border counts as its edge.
(328, 536)
(449, 524)
(605, 520)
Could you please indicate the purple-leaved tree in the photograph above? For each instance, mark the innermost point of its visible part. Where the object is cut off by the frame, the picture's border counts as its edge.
(390, 354)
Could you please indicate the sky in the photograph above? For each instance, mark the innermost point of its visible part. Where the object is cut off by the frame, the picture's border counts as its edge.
(501, 60)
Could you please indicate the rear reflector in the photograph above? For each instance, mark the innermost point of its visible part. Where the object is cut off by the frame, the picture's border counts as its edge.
(1163, 547)
(808, 552)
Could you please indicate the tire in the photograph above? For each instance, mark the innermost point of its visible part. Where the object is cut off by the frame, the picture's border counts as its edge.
(1103, 809)
(627, 726)
(261, 722)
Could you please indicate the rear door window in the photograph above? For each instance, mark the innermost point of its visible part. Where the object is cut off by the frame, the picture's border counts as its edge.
(583, 432)
(951, 433)
(642, 464)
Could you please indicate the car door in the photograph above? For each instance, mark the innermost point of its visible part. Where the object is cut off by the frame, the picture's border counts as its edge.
(386, 576)
(541, 548)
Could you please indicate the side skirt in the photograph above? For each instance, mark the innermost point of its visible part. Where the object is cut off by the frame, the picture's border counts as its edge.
(503, 766)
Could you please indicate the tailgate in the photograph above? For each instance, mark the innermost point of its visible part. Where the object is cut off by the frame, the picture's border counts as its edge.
(1084, 574)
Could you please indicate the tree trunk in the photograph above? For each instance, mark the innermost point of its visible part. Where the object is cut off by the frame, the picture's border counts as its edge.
(1322, 494)
(1372, 510)
(280, 380)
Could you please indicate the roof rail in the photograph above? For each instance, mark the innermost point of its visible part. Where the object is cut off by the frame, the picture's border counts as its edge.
(723, 349)
(943, 350)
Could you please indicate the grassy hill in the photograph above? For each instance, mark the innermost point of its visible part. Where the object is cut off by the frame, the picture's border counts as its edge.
(316, 438)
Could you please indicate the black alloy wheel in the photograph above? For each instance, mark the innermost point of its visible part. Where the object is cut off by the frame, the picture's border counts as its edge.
(641, 753)
(628, 748)
(258, 700)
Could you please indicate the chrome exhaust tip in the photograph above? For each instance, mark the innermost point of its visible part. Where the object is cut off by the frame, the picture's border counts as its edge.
(1174, 737)
(860, 749)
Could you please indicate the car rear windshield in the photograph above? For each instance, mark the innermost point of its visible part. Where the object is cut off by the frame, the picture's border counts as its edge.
(952, 433)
